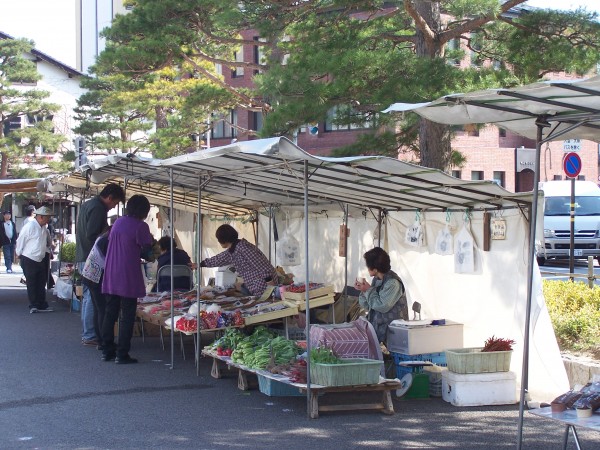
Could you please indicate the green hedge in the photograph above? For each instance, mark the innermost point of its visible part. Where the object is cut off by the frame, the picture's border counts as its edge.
(575, 313)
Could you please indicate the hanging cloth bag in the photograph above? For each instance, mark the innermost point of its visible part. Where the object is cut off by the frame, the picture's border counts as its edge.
(415, 236)
(444, 243)
(464, 254)
(288, 251)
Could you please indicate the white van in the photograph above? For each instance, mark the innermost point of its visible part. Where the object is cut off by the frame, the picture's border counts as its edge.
(557, 229)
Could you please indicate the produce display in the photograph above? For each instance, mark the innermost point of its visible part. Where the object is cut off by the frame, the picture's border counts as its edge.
(260, 349)
(301, 287)
(495, 344)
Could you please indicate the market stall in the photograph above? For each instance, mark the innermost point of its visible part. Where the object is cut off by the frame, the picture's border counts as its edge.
(379, 200)
(544, 111)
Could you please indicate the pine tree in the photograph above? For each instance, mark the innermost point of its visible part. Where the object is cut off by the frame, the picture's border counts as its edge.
(18, 100)
(356, 57)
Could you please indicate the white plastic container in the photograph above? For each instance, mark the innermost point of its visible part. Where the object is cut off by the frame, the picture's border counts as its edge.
(424, 339)
(225, 278)
(479, 389)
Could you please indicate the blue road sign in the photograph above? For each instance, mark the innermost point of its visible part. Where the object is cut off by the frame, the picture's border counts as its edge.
(572, 164)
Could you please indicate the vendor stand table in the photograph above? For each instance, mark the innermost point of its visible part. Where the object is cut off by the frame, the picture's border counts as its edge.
(316, 391)
(571, 421)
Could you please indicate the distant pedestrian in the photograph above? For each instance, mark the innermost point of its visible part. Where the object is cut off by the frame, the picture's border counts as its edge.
(8, 238)
(91, 223)
(32, 245)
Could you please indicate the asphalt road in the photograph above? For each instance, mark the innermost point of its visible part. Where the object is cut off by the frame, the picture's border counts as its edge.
(57, 394)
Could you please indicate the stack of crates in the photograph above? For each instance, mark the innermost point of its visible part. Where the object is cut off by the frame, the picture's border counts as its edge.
(421, 387)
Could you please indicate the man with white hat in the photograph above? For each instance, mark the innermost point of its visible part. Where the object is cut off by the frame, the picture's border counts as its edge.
(32, 245)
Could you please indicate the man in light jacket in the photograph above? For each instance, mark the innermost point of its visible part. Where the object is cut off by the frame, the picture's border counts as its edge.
(32, 245)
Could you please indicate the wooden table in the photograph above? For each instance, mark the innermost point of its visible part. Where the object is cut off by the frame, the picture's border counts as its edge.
(316, 391)
(385, 406)
(570, 420)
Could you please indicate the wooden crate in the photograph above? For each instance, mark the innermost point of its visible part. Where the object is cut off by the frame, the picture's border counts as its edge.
(259, 318)
(312, 293)
(313, 302)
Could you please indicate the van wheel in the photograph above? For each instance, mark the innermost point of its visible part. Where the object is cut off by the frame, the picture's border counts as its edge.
(541, 260)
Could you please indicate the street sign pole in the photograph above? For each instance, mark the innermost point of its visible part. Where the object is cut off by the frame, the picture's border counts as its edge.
(572, 167)
(572, 232)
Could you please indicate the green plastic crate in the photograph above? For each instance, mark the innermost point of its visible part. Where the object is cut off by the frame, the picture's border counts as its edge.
(351, 371)
(473, 360)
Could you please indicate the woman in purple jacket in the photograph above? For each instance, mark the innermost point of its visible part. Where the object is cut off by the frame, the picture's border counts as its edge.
(123, 283)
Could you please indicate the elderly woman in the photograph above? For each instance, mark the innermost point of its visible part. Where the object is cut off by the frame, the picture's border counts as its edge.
(385, 297)
(123, 282)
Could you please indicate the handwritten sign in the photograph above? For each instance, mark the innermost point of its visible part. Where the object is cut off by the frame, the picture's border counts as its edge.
(498, 229)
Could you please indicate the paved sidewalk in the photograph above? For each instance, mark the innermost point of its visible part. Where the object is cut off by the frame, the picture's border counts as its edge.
(57, 394)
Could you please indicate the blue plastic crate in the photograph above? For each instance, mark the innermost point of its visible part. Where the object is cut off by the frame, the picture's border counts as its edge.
(436, 358)
(274, 388)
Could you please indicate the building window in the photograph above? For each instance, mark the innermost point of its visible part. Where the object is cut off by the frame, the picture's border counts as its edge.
(502, 132)
(557, 177)
(238, 56)
(581, 177)
(499, 178)
(453, 52)
(344, 118)
(259, 53)
(469, 129)
(457, 174)
(256, 120)
(476, 174)
(225, 126)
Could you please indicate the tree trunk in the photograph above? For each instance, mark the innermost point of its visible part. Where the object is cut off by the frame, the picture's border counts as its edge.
(3, 165)
(434, 138)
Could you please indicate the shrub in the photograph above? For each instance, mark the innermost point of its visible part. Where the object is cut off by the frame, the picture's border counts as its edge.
(67, 252)
(574, 309)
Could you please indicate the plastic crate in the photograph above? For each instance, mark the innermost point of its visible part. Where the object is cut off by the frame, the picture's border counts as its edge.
(439, 359)
(419, 387)
(274, 388)
(473, 360)
(352, 371)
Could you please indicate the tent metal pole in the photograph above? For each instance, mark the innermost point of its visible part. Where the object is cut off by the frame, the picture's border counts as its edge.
(379, 221)
(345, 296)
(306, 293)
(172, 299)
(541, 124)
(270, 229)
(198, 274)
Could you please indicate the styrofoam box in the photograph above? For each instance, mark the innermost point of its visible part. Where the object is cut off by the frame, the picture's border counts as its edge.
(479, 389)
(225, 279)
(424, 339)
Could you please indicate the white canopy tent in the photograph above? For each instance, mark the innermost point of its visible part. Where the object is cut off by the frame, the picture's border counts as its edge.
(545, 111)
(373, 195)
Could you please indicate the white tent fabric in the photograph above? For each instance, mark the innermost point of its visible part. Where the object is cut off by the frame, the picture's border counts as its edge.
(572, 107)
(249, 175)
(489, 302)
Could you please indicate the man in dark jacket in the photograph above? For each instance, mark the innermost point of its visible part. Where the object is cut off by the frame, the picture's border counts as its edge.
(91, 223)
(8, 236)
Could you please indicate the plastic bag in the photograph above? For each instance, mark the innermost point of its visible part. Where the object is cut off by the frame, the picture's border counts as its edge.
(414, 235)
(464, 254)
(444, 244)
(288, 251)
